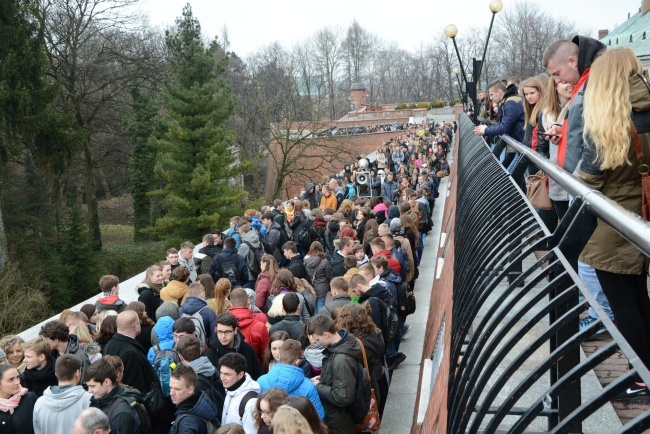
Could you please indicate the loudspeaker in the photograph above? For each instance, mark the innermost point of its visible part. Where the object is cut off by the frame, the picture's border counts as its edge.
(362, 181)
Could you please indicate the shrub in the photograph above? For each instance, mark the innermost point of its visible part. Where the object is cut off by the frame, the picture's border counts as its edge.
(400, 106)
(424, 105)
(412, 106)
(127, 260)
(22, 302)
(437, 103)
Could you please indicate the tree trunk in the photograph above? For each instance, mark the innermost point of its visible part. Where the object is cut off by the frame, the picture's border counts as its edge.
(91, 198)
(3, 242)
(105, 186)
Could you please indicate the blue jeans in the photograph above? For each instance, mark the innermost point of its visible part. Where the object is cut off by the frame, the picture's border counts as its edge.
(423, 239)
(320, 302)
(588, 275)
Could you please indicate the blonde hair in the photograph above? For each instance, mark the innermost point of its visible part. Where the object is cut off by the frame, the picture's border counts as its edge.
(288, 420)
(550, 102)
(82, 333)
(607, 106)
(531, 111)
(102, 316)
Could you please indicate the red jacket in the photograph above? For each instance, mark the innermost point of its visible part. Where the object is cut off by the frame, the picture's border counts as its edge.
(253, 327)
(392, 262)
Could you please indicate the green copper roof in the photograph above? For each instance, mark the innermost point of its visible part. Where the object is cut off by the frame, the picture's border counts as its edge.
(636, 29)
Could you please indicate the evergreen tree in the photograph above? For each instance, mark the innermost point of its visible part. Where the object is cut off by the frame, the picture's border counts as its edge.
(139, 128)
(195, 163)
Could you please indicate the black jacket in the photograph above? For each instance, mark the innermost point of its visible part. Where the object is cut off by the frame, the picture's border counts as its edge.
(338, 265)
(290, 324)
(123, 418)
(138, 372)
(21, 421)
(151, 299)
(217, 350)
(297, 268)
(216, 270)
(198, 405)
(38, 380)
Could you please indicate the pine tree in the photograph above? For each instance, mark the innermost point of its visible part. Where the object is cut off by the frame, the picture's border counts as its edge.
(195, 161)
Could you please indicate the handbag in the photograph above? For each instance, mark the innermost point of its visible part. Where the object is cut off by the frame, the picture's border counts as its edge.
(643, 171)
(372, 422)
(537, 191)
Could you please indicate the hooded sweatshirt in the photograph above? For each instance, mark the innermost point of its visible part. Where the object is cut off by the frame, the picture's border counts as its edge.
(164, 331)
(58, 408)
(110, 302)
(292, 380)
(254, 330)
(252, 238)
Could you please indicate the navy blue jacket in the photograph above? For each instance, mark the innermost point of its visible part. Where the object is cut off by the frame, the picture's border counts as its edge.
(229, 255)
(194, 304)
(196, 405)
(512, 118)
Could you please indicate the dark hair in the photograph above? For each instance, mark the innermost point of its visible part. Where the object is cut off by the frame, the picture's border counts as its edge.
(234, 361)
(290, 245)
(350, 261)
(55, 330)
(88, 310)
(276, 398)
(139, 308)
(184, 325)
(108, 327)
(4, 368)
(307, 409)
(189, 347)
(379, 261)
(228, 319)
(116, 362)
(181, 273)
(344, 242)
(66, 366)
(290, 302)
(208, 284)
(316, 250)
(187, 374)
(229, 243)
(320, 324)
(99, 371)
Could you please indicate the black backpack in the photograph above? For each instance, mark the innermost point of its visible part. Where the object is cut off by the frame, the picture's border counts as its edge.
(134, 401)
(405, 299)
(208, 387)
(229, 271)
(257, 258)
(391, 321)
(244, 400)
(362, 395)
(210, 426)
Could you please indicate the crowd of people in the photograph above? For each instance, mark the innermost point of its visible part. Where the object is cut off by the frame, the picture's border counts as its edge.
(591, 116)
(264, 328)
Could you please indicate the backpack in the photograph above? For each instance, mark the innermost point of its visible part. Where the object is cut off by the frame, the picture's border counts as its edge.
(211, 391)
(143, 424)
(164, 362)
(302, 236)
(199, 325)
(209, 425)
(244, 400)
(229, 271)
(405, 299)
(362, 395)
(266, 246)
(257, 257)
(391, 321)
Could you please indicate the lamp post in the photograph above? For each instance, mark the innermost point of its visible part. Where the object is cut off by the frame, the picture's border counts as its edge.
(477, 64)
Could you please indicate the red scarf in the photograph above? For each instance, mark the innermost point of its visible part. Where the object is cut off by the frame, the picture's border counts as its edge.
(562, 145)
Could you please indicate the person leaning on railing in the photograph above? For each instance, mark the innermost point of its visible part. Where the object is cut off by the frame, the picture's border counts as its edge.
(616, 104)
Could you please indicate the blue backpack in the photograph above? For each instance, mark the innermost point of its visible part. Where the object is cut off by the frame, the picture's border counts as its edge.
(164, 362)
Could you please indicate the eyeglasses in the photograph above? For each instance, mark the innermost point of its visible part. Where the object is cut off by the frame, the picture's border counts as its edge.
(266, 413)
(225, 332)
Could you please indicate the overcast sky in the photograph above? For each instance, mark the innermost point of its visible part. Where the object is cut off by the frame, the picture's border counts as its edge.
(252, 24)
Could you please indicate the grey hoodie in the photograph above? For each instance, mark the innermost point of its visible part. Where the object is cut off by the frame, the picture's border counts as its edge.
(244, 250)
(203, 366)
(54, 413)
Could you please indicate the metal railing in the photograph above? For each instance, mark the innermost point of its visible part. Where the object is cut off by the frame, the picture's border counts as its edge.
(515, 343)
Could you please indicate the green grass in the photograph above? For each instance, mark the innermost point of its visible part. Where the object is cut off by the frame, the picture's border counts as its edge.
(117, 235)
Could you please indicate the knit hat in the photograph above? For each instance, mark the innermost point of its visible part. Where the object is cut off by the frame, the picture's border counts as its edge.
(3, 355)
(168, 308)
(396, 226)
(393, 212)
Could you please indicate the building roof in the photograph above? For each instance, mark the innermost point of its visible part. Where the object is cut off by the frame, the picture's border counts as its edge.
(357, 86)
(637, 30)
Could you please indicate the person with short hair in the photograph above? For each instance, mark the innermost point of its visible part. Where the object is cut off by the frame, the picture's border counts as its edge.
(291, 323)
(229, 264)
(91, 421)
(346, 247)
(336, 384)
(288, 376)
(63, 342)
(228, 339)
(295, 265)
(189, 350)
(39, 373)
(56, 411)
(138, 372)
(110, 299)
(239, 387)
(340, 297)
(17, 403)
(186, 259)
(193, 407)
(176, 290)
(111, 398)
(251, 324)
(194, 303)
(172, 258)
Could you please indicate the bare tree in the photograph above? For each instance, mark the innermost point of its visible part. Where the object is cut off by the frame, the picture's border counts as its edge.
(326, 49)
(356, 48)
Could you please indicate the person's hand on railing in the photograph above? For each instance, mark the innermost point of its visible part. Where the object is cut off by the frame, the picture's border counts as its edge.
(480, 130)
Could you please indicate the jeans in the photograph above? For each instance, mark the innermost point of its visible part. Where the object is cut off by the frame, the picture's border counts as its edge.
(393, 347)
(423, 239)
(588, 275)
(320, 302)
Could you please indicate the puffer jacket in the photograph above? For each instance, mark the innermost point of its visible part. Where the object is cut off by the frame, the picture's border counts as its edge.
(164, 331)
(292, 380)
(320, 273)
(512, 118)
(175, 291)
(336, 388)
(606, 249)
(150, 297)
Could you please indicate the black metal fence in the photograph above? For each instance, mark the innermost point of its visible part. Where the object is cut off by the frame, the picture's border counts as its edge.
(515, 355)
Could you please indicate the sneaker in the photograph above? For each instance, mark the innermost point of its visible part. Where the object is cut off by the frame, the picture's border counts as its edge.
(601, 334)
(405, 330)
(399, 358)
(638, 392)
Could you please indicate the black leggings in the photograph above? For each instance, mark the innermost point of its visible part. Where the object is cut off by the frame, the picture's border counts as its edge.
(628, 297)
(561, 207)
(509, 157)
